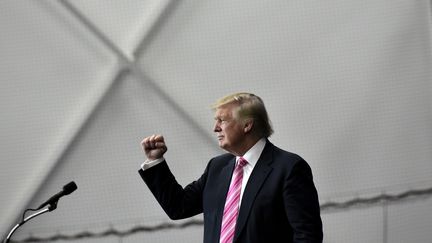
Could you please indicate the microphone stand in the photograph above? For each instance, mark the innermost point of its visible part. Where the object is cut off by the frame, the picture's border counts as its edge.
(50, 208)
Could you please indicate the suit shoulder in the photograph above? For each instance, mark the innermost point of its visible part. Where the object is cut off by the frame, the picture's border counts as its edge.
(286, 155)
(226, 156)
(220, 160)
(290, 162)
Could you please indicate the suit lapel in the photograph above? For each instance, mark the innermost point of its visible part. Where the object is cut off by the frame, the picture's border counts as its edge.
(256, 179)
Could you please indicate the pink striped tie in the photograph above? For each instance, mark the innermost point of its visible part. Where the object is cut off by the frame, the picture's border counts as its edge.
(232, 203)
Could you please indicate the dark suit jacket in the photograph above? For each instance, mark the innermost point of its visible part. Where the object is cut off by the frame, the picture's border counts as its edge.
(280, 202)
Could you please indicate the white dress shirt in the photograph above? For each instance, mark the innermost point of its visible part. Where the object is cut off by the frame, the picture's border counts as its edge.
(251, 156)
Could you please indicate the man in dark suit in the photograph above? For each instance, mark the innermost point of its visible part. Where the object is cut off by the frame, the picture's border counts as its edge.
(255, 193)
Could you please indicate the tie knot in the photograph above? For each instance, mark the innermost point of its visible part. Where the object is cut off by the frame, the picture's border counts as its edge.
(241, 162)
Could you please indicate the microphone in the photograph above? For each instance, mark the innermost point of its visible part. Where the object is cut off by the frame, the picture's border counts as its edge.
(67, 189)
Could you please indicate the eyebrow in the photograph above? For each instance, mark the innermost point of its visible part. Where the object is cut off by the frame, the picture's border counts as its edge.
(220, 117)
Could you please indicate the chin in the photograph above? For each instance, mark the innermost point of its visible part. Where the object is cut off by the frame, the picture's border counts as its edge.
(222, 144)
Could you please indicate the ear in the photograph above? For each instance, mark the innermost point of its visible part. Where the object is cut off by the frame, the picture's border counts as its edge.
(248, 124)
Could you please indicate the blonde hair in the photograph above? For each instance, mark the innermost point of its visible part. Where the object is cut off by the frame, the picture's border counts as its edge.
(249, 106)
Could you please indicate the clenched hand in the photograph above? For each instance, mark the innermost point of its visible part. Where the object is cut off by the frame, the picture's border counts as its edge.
(154, 146)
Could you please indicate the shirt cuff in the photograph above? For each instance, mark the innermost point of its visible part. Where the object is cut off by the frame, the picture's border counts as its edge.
(150, 163)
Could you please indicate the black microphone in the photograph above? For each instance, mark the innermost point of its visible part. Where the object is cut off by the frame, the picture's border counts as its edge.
(67, 189)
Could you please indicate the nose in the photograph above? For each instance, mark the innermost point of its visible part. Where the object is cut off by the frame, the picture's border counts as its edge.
(216, 127)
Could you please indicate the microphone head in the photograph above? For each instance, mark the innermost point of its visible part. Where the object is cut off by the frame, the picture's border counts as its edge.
(69, 188)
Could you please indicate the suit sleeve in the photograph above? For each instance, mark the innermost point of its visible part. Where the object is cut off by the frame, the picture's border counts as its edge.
(176, 201)
(302, 205)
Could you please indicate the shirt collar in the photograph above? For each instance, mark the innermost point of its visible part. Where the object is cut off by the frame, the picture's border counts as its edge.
(253, 154)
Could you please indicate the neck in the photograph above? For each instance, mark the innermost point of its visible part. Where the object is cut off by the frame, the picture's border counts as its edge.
(246, 146)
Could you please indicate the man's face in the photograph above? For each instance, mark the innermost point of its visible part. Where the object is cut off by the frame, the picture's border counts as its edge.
(229, 130)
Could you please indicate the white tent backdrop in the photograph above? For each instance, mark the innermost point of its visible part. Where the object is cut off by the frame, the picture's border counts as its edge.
(347, 85)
